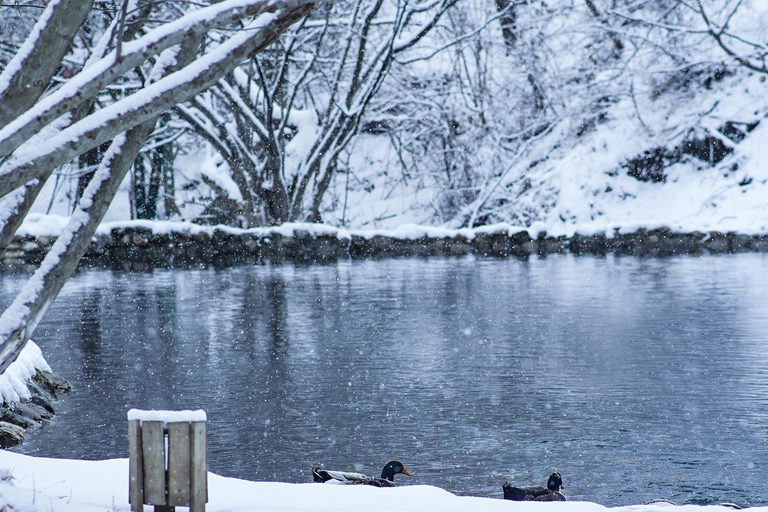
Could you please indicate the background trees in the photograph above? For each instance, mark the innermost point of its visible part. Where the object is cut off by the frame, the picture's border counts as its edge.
(468, 97)
(281, 121)
(518, 86)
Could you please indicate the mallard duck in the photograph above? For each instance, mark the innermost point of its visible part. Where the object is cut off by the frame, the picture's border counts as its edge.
(549, 493)
(344, 477)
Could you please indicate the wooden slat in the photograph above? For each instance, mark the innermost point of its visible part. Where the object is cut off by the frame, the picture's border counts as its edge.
(199, 472)
(135, 467)
(154, 462)
(178, 463)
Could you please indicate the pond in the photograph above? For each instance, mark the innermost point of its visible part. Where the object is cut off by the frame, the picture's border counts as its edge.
(636, 379)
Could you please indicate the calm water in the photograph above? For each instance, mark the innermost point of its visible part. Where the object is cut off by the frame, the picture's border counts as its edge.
(636, 379)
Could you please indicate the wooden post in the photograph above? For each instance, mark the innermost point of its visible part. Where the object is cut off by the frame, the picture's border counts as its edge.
(168, 464)
(199, 471)
(178, 464)
(153, 439)
(135, 466)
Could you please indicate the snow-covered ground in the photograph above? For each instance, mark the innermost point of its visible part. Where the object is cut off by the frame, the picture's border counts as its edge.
(57, 485)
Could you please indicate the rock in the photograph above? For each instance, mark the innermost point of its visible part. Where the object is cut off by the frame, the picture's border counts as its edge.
(32, 411)
(42, 402)
(717, 243)
(11, 435)
(39, 391)
(9, 416)
(138, 249)
(739, 243)
(594, 244)
(51, 382)
(17, 418)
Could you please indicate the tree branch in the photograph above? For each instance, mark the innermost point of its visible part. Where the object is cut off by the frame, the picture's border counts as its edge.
(88, 84)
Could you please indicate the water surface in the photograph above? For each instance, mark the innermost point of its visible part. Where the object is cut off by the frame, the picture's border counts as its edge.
(636, 379)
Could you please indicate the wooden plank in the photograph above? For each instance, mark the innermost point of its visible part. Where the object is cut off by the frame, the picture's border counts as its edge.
(199, 472)
(178, 463)
(135, 467)
(154, 462)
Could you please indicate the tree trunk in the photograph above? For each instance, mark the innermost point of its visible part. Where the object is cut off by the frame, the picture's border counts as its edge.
(508, 20)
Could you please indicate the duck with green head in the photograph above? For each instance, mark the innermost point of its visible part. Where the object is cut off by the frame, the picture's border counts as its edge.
(345, 477)
(549, 493)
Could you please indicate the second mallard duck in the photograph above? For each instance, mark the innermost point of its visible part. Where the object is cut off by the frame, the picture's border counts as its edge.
(345, 477)
(549, 493)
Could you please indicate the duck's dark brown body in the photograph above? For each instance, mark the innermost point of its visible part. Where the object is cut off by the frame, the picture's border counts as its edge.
(549, 493)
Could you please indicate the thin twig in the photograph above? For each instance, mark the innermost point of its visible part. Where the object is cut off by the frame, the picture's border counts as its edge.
(121, 30)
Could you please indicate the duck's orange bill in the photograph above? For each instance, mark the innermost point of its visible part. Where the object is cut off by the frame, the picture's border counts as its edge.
(406, 472)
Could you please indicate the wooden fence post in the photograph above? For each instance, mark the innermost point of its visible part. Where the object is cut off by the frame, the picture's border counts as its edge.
(167, 460)
(135, 466)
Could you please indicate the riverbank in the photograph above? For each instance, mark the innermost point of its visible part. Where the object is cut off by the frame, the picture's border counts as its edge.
(138, 245)
(55, 485)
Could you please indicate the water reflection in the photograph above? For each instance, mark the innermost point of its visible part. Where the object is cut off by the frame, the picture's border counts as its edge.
(636, 379)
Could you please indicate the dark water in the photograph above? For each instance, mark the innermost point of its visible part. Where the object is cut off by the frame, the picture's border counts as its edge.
(636, 379)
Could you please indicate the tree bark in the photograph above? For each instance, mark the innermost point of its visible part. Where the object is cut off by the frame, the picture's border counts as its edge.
(508, 22)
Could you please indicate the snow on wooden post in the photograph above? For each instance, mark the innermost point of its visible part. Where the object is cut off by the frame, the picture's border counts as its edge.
(167, 460)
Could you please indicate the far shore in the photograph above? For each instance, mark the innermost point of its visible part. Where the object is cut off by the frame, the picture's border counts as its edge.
(140, 245)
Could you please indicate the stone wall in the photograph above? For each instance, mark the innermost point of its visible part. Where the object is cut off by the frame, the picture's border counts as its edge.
(138, 248)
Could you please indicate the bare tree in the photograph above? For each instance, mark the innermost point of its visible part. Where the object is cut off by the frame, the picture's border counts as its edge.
(41, 133)
(315, 86)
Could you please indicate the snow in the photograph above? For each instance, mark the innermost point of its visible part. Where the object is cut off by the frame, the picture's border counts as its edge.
(58, 485)
(13, 381)
(217, 171)
(40, 224)
(167, 416)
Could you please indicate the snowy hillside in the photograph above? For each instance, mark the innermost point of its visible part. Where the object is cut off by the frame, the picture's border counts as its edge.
(583, 185)
(570, 183)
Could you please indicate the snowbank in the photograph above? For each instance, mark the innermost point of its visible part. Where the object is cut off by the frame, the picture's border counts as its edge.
(13, 382)
(39, 225)
(56, 485)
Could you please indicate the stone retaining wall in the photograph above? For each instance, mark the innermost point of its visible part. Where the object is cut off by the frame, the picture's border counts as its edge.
(138, 248)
